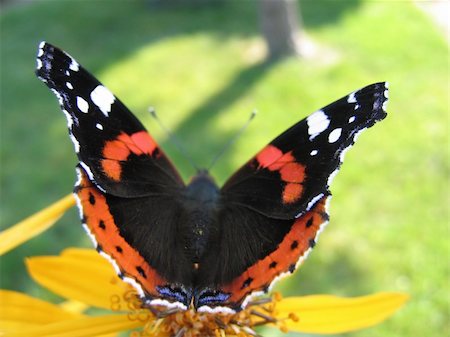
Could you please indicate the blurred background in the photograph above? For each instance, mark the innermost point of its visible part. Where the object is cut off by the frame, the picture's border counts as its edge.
(204, 66)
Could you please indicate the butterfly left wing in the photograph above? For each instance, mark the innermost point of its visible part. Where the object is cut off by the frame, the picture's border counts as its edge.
(113, 147)
(274, 206)
(126, 189)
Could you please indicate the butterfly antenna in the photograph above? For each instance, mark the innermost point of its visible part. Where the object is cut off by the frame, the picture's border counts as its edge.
(174, 139)
(232, 140)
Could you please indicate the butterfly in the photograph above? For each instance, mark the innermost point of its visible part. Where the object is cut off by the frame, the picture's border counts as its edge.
(197, 245)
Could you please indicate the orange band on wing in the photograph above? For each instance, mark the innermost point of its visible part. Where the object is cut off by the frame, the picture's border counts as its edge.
(284, 259)
(291, 172)
(101, 224)
(268, 155)
(292, 192)
(114, 151)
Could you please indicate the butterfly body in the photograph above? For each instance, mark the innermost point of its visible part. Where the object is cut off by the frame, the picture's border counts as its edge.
(200, 201)
(196, 244)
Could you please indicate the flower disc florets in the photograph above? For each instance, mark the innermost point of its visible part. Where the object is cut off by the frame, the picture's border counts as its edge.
(161, 322)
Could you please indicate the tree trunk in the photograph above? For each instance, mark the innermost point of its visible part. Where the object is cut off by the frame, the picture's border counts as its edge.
(280, 27)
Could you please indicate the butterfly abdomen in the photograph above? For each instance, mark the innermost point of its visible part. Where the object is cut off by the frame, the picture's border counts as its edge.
(198, 224)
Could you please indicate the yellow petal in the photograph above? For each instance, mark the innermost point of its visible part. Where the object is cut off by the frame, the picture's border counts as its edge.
(74, 306)
(18, 310)
(34, 225)
(86, 254)
(81, 327)
(328, 314)
(81, 275)
(8, 326)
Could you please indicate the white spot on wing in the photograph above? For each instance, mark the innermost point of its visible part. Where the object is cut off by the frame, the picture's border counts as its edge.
(74, 65)
(334, 135)
(82, 104)
(38, 64)
(41, 48)
(351, 119)
(99, 126)
(313, 152)
(317, 123)
(351, 98)
(103, 98)
(69, 85)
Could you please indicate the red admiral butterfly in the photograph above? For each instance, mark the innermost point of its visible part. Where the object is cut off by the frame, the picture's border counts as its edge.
(197, 244)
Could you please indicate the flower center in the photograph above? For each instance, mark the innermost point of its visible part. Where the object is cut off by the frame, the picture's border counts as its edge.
(159, 322)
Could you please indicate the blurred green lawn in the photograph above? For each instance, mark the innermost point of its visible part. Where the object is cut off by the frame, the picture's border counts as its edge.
(202, 71)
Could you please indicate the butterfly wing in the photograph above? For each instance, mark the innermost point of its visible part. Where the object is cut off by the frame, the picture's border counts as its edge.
(127, 189)
(113, 147)
(274, 206)
(296, 166)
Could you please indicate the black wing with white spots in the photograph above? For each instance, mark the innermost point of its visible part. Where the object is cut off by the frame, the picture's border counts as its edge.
(299, 164)
(113, 147)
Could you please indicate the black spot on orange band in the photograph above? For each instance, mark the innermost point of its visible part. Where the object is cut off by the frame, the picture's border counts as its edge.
(294, 244)
(101, 224)
(91, 199)
(247, 283)
(141, 271)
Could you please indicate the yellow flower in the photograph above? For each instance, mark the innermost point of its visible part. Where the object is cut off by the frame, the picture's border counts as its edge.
(87, 280)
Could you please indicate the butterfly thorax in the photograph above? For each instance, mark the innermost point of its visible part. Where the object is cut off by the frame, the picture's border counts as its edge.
(200, 210)
(202, 188)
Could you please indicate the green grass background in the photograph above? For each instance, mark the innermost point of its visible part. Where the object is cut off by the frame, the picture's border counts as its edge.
(201, 69)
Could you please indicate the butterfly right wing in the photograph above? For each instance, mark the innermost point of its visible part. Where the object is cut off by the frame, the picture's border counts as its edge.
(273, 208)
(289, 175)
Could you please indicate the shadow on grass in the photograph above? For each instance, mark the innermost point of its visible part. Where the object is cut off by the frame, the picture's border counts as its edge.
(201, 116)
(105, 34)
